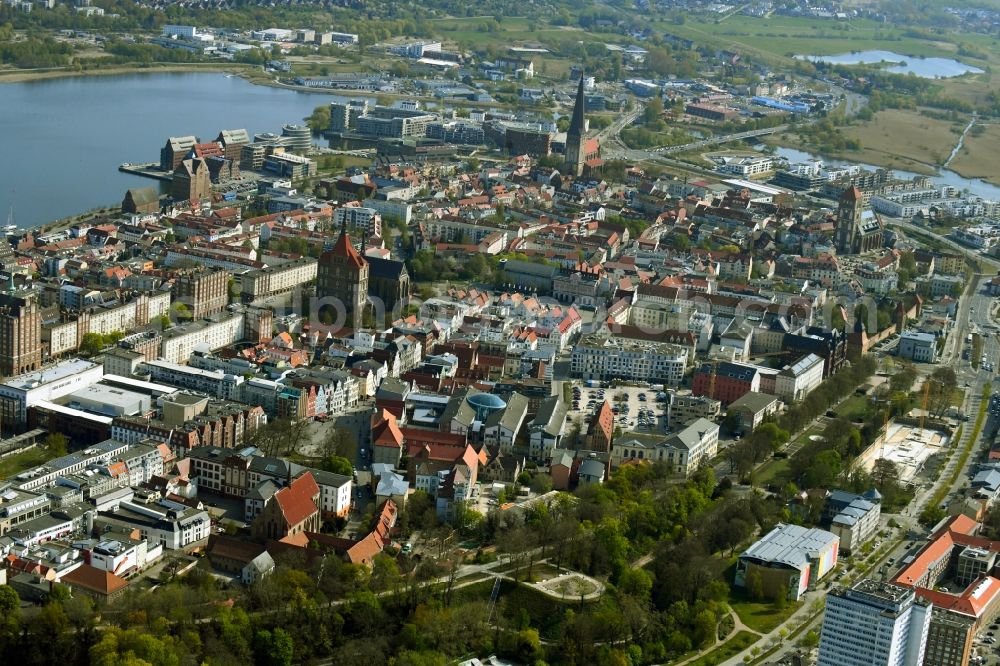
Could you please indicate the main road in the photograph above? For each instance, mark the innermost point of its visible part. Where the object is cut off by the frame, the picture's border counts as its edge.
(974, 313)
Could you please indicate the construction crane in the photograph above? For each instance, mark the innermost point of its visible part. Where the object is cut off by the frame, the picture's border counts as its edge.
(925, 402)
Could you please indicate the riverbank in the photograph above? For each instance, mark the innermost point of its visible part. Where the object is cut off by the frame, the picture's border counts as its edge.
(26, 75)
(907, 140)
(978, 154)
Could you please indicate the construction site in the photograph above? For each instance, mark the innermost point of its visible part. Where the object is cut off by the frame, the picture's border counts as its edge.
(909, 446)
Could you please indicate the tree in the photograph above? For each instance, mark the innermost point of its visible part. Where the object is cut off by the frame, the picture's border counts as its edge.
(636, 583)
(755, 585)
(781, 598)
(339, 442)
(134, 647)
(338, 465)
(57, 444)
(181, 311)
(273, 648)
(679, 242)
(940, 389)
(91, 344)
(319, 119)
(541, 483)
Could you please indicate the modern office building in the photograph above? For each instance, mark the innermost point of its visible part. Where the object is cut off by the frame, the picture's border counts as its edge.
(298, 138)
(916, 346)
(359, 220)
(874, 624)
(43, 386)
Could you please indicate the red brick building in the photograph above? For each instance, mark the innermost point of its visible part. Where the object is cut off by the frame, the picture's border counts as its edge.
(725, 381)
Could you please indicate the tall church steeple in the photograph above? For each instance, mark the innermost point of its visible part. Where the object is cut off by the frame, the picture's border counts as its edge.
(849, 211)
(575, 156)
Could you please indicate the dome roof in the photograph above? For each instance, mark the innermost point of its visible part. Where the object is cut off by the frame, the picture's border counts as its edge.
(486, 400)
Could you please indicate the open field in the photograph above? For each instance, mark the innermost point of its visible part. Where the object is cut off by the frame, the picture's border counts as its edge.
(905, 140)
(785, 36)
(894, 138)
(512, 31)
(978, 156)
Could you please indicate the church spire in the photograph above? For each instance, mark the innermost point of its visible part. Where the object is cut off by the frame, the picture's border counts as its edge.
(576, 126)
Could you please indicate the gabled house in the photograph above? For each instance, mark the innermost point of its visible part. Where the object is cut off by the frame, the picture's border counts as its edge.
(293, 510)
(548, 428)
(502, 427)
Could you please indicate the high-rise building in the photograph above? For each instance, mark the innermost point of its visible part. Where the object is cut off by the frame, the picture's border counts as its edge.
(20, 333)
(342, 281)
(203, 291)
(575, 152)
(874, 624)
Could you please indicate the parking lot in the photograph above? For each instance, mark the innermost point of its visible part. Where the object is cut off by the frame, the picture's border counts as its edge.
(637, 408)
(984, 647)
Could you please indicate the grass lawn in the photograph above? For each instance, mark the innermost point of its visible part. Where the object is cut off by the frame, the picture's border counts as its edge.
(776, 471)
(854, 408)
(760, 615)
(17, 463)
(977, 157)
(730, 648)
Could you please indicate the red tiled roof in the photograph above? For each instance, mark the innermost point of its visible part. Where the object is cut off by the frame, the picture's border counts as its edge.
(296, 501)
(117, 469)
(388, 433)
(973, 601)
(95, 580)
(957, 531)
(344, 248)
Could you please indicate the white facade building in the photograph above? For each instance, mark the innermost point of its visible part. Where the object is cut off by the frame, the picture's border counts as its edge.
(794, 382)
(597, 357)
(874, 624)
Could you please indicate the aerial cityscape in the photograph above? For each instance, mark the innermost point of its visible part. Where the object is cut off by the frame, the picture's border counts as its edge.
(628, 333)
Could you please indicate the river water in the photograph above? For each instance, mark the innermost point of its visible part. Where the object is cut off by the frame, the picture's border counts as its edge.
(941, 177)
(928, 68)
(64, 139)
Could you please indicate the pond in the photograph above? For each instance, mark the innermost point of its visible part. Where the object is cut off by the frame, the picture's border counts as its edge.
(928, 68)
